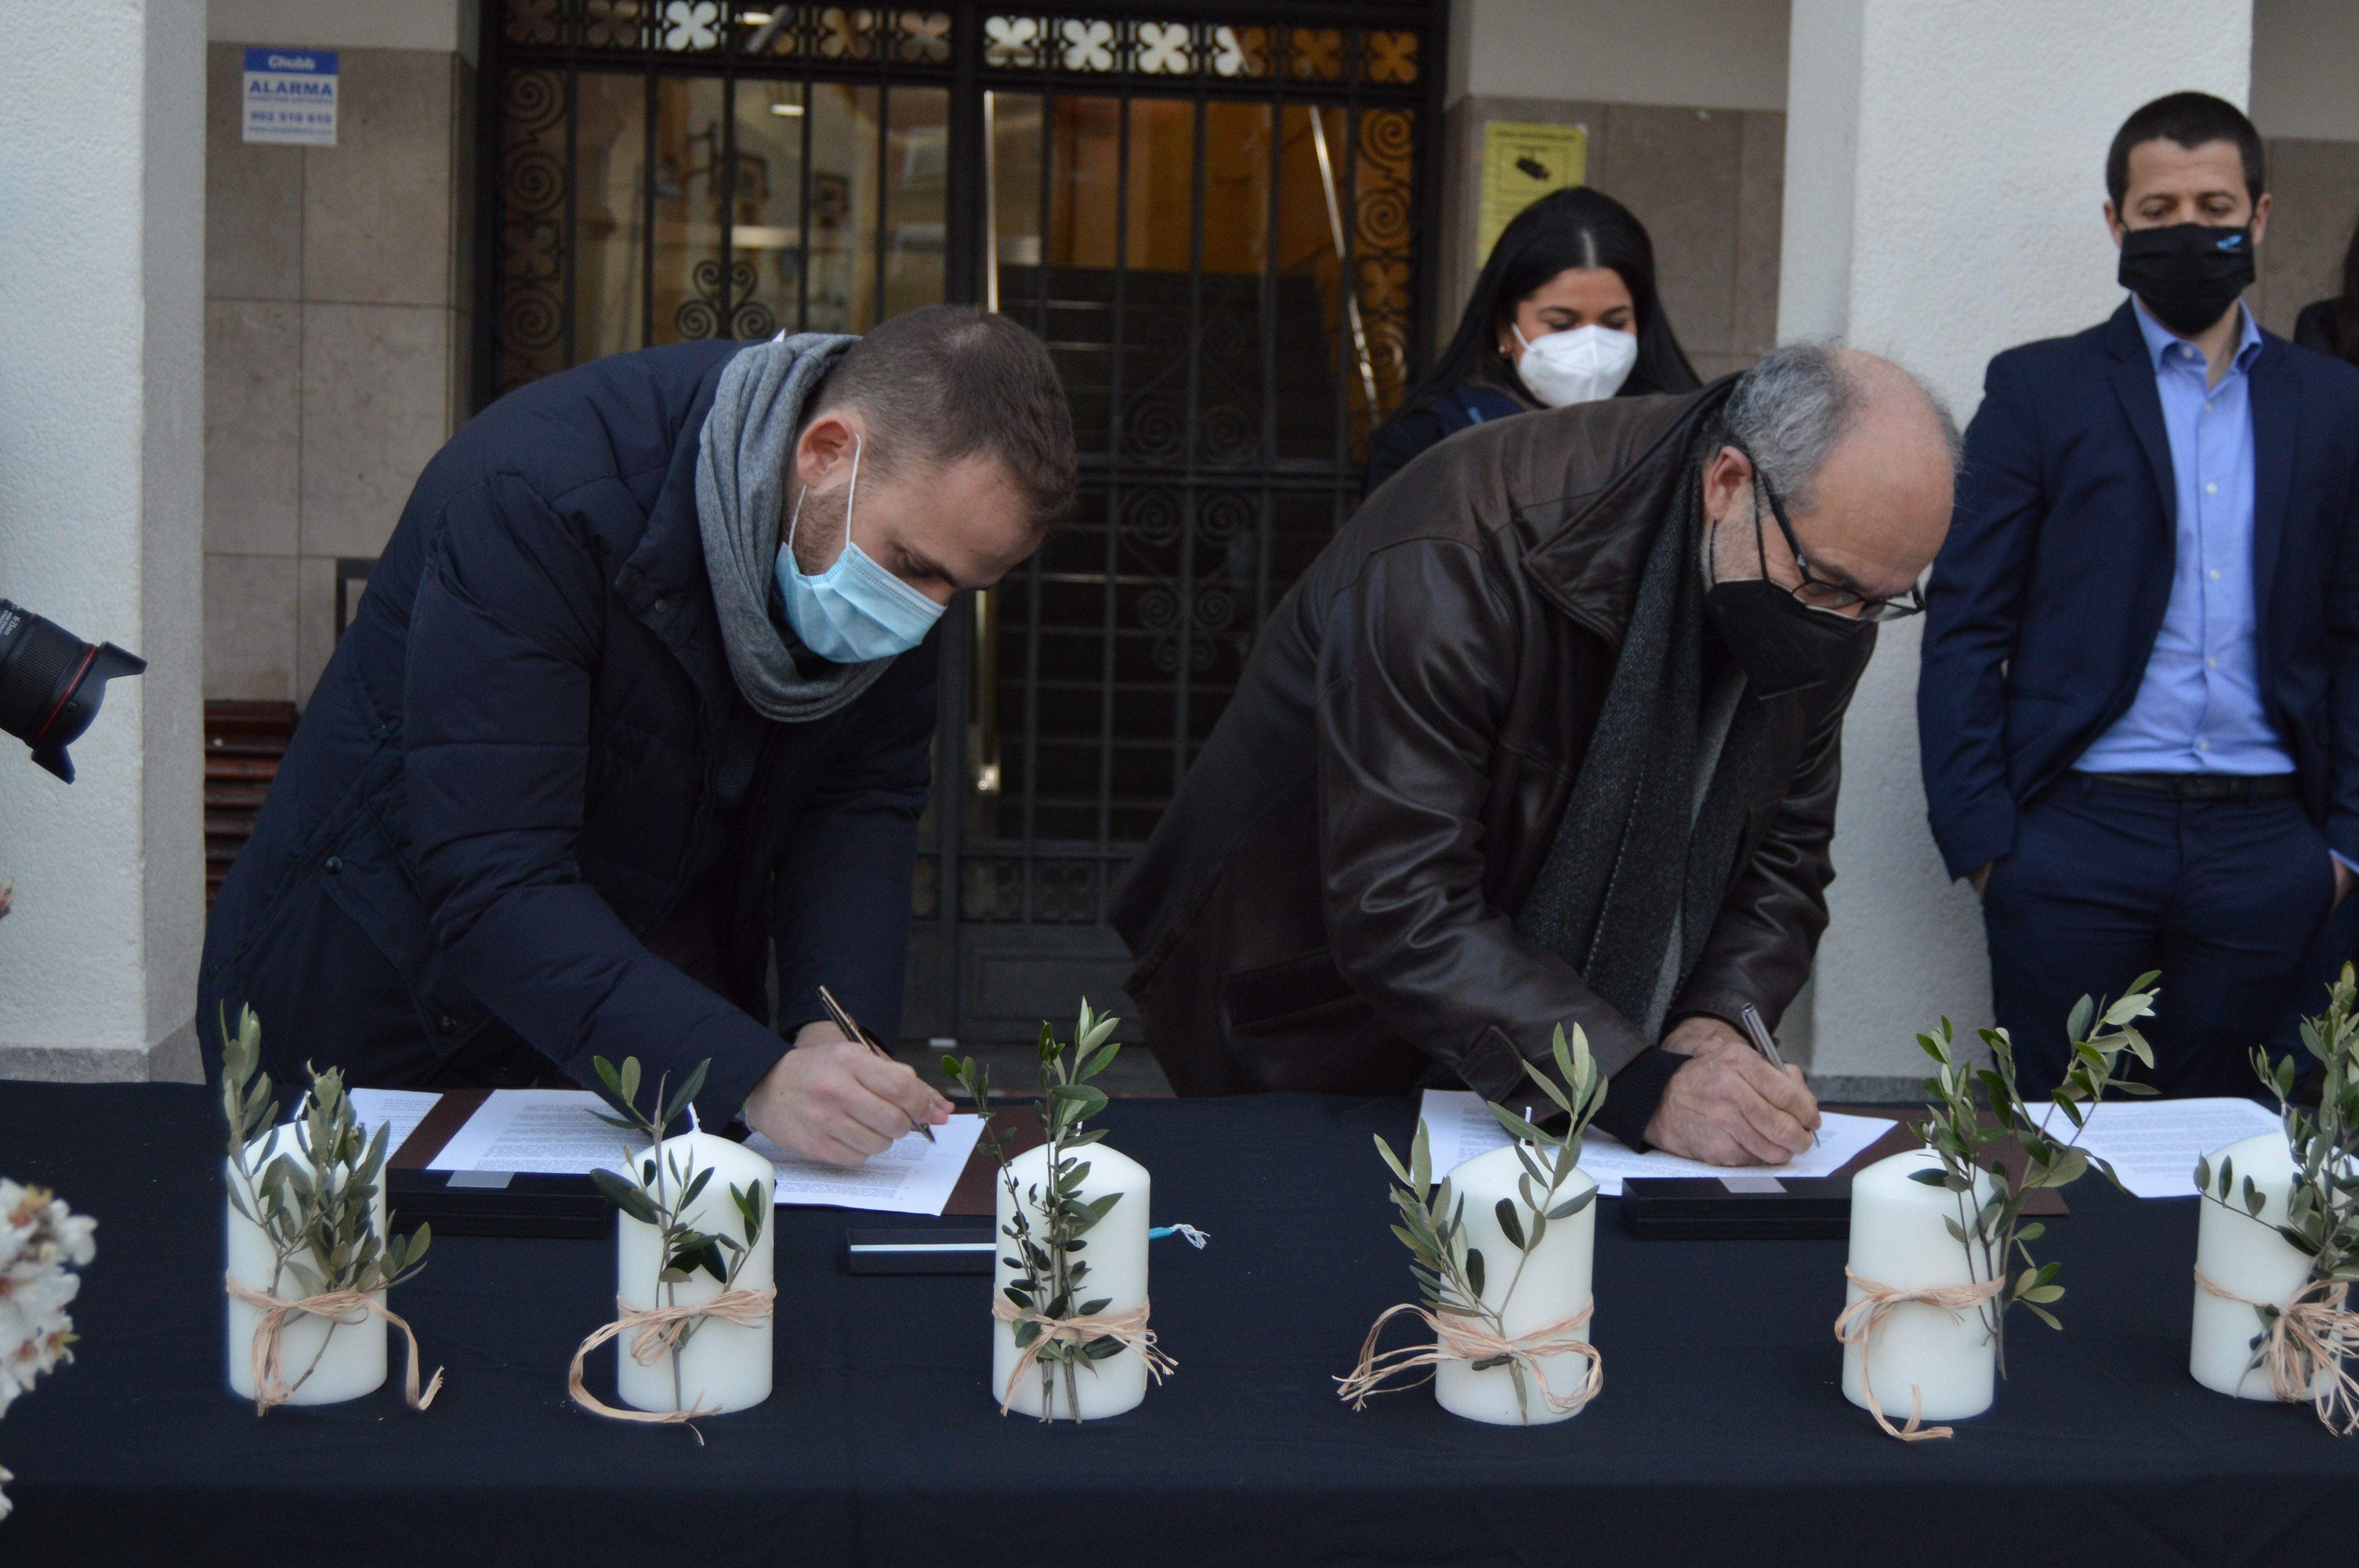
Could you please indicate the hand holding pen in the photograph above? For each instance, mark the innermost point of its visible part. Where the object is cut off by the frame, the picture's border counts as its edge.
(1758, 1032)
(851, 1027)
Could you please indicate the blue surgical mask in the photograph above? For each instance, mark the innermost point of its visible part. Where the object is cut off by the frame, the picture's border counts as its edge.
(855, 611)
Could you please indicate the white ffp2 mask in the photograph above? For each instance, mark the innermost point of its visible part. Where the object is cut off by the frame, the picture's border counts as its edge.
(1578, 366)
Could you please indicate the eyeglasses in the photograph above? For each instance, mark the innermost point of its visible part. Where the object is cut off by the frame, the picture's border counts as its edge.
(1816, 591)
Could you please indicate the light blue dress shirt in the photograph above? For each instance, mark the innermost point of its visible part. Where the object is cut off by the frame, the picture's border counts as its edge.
(2199, 707)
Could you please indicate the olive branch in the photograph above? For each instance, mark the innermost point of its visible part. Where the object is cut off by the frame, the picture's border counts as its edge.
(663, 1192)
(1993, 1233)
(1450, 1273)
(1049, 1277)
(313, 1206)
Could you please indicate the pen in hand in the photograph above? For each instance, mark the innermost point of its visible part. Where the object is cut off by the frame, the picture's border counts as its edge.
(844, 1021)
(1767, 1048)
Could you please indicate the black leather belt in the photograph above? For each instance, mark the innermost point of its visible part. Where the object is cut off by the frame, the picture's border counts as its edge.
(2204, 786)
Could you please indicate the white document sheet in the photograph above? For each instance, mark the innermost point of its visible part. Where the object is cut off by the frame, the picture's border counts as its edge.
(1459, 1126)
(405, 1108)
(911, 1177)
(551, 1132)
(2153, 1144)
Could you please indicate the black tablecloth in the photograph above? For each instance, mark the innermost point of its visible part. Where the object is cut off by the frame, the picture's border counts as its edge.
(1720, 1436)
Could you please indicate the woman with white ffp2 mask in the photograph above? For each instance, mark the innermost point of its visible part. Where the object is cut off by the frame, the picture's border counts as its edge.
(1577, 364)
(1564, 312)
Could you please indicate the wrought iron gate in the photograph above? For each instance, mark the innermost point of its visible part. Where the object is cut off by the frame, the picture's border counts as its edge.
(1219, 218)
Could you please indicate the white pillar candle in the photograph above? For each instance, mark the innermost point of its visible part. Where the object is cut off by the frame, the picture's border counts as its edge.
(1897, 1239)
(1553, 1285)
(1116, 1250)
(2245, 1254)
(724, 1365)
(325, 1362)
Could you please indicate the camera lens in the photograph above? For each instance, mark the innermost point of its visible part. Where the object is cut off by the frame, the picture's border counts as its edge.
(51, 683)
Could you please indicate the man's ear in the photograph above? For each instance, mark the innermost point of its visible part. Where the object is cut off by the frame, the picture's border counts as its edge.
(2260, 216)
(2113, 223)
(824, 452)
(1727, 476)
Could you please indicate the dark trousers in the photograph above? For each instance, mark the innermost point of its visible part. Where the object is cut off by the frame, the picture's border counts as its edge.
(2104, 883)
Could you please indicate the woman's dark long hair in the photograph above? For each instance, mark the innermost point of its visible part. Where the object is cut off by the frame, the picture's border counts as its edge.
(1574, 228)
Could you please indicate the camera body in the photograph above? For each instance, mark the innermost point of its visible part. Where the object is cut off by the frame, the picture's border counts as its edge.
(51, 683)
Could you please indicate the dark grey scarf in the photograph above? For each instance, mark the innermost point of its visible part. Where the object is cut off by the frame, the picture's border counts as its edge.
(1647, 847)
(741, 477)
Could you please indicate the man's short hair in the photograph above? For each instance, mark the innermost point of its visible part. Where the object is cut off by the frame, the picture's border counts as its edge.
(949, 381)
(2190, 119)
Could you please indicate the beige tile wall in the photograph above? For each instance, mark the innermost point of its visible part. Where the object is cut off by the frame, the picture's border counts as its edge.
(1708, 183)
(336, 336)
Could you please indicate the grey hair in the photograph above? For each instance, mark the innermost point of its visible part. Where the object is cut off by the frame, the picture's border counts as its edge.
(1792, 409)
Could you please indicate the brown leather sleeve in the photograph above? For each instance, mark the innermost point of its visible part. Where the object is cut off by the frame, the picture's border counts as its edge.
(1760, 947)
(1408, 720)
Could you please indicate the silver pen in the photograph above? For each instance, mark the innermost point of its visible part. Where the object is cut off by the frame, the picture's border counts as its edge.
(1767, 1048)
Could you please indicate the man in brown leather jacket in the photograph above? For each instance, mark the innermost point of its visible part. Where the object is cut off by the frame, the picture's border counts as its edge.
(1551, 733)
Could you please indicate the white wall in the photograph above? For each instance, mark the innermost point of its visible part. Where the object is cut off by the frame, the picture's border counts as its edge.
(445, 25)
(1914, 229)
(1720, 54)
(102, 225)
(2306, 68)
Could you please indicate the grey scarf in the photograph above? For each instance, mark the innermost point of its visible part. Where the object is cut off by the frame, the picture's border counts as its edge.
(741, 475)
(1647, 847)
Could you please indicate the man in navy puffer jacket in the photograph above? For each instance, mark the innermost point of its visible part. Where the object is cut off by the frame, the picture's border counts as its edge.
(553, 799)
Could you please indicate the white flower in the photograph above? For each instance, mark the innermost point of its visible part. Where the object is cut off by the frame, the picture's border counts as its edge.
(40, 1238)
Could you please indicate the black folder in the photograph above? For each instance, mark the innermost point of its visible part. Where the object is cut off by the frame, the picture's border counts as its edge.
(1736, 1208)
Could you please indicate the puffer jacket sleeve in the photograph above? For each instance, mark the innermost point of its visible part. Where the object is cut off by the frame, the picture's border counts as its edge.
(842, 889)
(504, 633)
(1407, 722)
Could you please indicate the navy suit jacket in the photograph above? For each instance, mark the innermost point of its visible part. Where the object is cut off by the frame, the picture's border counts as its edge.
(2048, 592)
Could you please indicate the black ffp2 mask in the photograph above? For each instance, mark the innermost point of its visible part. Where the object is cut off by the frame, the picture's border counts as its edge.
(1784, 645)
(2187, 274)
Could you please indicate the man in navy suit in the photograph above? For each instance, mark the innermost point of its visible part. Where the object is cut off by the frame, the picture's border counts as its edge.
(2139, 697)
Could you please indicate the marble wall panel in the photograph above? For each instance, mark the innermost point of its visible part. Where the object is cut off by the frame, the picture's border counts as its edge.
(376, 408)
(254, 197)
(250, 618)
(377, 205)
(313, 621)
(253, 386)
(1760, 231)
(1678, 170)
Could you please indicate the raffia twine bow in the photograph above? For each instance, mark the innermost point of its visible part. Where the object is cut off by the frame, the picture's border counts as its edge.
(1461, 1339)
(349, 1308)
(2307, 1338)
(1863, 1320)
(1128, 1328)
(655, 1333)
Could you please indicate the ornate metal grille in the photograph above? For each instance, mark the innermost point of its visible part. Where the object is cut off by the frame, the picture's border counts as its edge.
(1218, 216)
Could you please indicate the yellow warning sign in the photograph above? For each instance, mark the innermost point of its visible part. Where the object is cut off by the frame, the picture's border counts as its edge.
(1523, 161)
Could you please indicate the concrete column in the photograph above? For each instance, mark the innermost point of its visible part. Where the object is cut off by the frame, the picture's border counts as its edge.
(1944, 169)
(102, 418)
